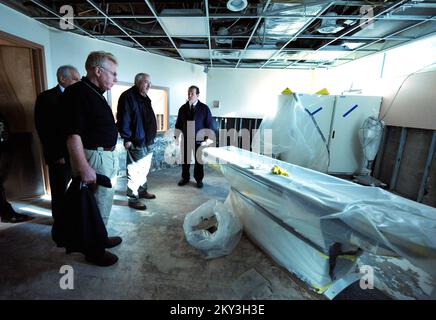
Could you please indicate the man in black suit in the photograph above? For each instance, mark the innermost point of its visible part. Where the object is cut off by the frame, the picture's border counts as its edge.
(193, 116)
(48, 123)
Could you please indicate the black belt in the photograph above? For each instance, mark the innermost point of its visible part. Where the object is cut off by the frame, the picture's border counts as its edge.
(102, 148)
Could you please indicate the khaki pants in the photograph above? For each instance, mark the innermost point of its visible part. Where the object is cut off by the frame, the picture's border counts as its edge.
(104, 163)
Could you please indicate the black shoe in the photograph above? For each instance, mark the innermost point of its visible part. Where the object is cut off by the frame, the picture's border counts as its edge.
(105, 260)
(113, 242)
(9, 215)
(146, 195)
(138, 205)
(15, 218)
(199, 184)
(182, 182)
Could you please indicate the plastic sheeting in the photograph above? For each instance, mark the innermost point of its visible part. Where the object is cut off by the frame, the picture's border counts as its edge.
(292, 135)
(327, 210)
(288, 249)
(370, 136)
(223, 240)
(139, 170)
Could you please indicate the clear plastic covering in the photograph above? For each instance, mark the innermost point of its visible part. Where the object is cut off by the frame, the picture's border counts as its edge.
(370, 136)
(288, 249)
(213, 229)
(327, 210)
(292, 135)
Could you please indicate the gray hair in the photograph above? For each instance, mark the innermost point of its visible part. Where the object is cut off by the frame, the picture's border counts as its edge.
(98, 58)
(65, 71)
(139, 77)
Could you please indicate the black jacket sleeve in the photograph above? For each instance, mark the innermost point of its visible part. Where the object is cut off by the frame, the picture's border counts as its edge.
(124, 118)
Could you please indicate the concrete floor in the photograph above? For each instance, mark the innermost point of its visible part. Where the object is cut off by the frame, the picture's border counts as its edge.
(156, 262)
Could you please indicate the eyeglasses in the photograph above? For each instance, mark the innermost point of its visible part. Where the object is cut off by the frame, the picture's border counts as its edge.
(114, 74)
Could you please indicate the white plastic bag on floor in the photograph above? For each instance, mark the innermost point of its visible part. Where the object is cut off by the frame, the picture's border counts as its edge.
(213, 229)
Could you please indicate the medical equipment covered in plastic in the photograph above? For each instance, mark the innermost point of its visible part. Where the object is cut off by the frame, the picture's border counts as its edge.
(216, 239)
(327, 211)
(289, 133)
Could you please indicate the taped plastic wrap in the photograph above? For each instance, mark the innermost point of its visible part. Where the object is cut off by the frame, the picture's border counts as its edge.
(308, 262)
(292, 135)
(221, 241)
(327, 210)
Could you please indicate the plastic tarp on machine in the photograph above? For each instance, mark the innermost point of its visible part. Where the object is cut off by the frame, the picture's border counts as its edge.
(315, 224)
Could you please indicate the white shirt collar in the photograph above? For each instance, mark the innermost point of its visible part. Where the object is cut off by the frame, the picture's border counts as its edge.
(62, 88)
(194, 104)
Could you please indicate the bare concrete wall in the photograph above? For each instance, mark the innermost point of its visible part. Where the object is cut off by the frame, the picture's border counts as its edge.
(389, 154)
(430, 190)
(412, 164)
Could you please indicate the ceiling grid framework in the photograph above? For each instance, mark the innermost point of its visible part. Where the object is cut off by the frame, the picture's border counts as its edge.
(261, 34)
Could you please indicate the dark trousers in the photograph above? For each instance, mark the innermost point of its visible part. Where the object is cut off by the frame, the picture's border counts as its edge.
(198, 167)
(60, 176)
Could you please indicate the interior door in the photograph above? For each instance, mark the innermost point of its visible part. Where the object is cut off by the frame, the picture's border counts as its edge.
(346, 154)
(22, 163)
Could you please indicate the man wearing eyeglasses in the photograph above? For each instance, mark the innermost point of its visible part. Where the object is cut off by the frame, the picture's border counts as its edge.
(136, 123)
(92, 135)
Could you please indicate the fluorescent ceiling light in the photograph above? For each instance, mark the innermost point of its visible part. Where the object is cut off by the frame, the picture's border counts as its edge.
(185, 26)
(226, 54)
(352, 45)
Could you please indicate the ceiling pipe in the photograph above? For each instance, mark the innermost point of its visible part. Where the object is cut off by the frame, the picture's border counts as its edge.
(252, 33)
(61, 18)
(298, 33)
(115, 24)
(390, 36)
(153, 11)
(398, 4)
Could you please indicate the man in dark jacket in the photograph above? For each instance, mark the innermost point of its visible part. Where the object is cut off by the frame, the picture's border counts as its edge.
(193, 116)
(48, 115)
(136, 123)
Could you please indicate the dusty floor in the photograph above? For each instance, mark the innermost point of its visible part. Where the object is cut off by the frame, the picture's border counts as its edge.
(156, 262)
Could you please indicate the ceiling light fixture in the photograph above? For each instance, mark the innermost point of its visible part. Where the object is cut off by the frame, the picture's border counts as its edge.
(236, 5)
(329, 25)
(226, 53)
(352, 45)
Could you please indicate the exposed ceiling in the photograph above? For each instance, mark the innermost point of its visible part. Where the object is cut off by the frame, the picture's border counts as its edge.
(265, 34)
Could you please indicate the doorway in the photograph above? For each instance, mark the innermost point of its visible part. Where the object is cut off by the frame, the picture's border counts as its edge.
(22, 77)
